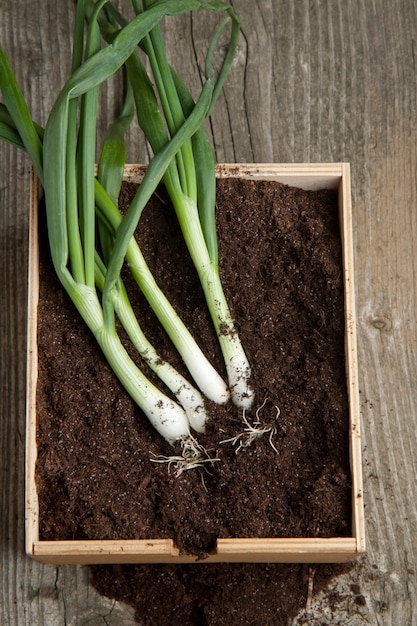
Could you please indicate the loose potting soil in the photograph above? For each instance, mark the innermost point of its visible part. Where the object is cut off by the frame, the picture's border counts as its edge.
(280, 263)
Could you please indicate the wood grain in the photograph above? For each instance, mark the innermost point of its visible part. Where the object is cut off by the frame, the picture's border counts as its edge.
(313, 80)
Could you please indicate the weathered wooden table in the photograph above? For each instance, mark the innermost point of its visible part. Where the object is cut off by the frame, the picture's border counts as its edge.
(313, 81)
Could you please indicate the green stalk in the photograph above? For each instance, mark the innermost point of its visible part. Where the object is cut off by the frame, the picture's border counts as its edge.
(86, 155)
(154, 47)
(11, 136)
(111, 165)
(75, 250)
(7, 120)
(204, 164)
(18, 109)
(113, 153)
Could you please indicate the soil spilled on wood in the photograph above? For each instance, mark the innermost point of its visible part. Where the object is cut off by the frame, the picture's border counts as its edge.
(217, 595)
(280, 262)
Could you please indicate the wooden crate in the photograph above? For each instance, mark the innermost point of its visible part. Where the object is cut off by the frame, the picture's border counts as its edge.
(307, 176)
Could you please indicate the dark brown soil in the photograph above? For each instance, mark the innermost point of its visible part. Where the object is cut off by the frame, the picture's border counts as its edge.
(215, 595)
(280, 260)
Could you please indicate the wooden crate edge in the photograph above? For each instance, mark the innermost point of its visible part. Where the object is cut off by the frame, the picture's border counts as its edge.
(352, 375)
(335, 175)
(31, 497)
(303, 550)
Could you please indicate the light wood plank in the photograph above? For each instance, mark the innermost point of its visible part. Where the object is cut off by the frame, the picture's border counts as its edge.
(228, 551)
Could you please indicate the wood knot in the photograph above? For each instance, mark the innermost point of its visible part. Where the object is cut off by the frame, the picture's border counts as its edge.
(381, 322)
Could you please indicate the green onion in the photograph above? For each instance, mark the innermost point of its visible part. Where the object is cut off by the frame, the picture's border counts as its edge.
(167, 417)
(180, 181)
(186, 395)
(110, 177)
(190, 178)
(79, 205)
(203, 373)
